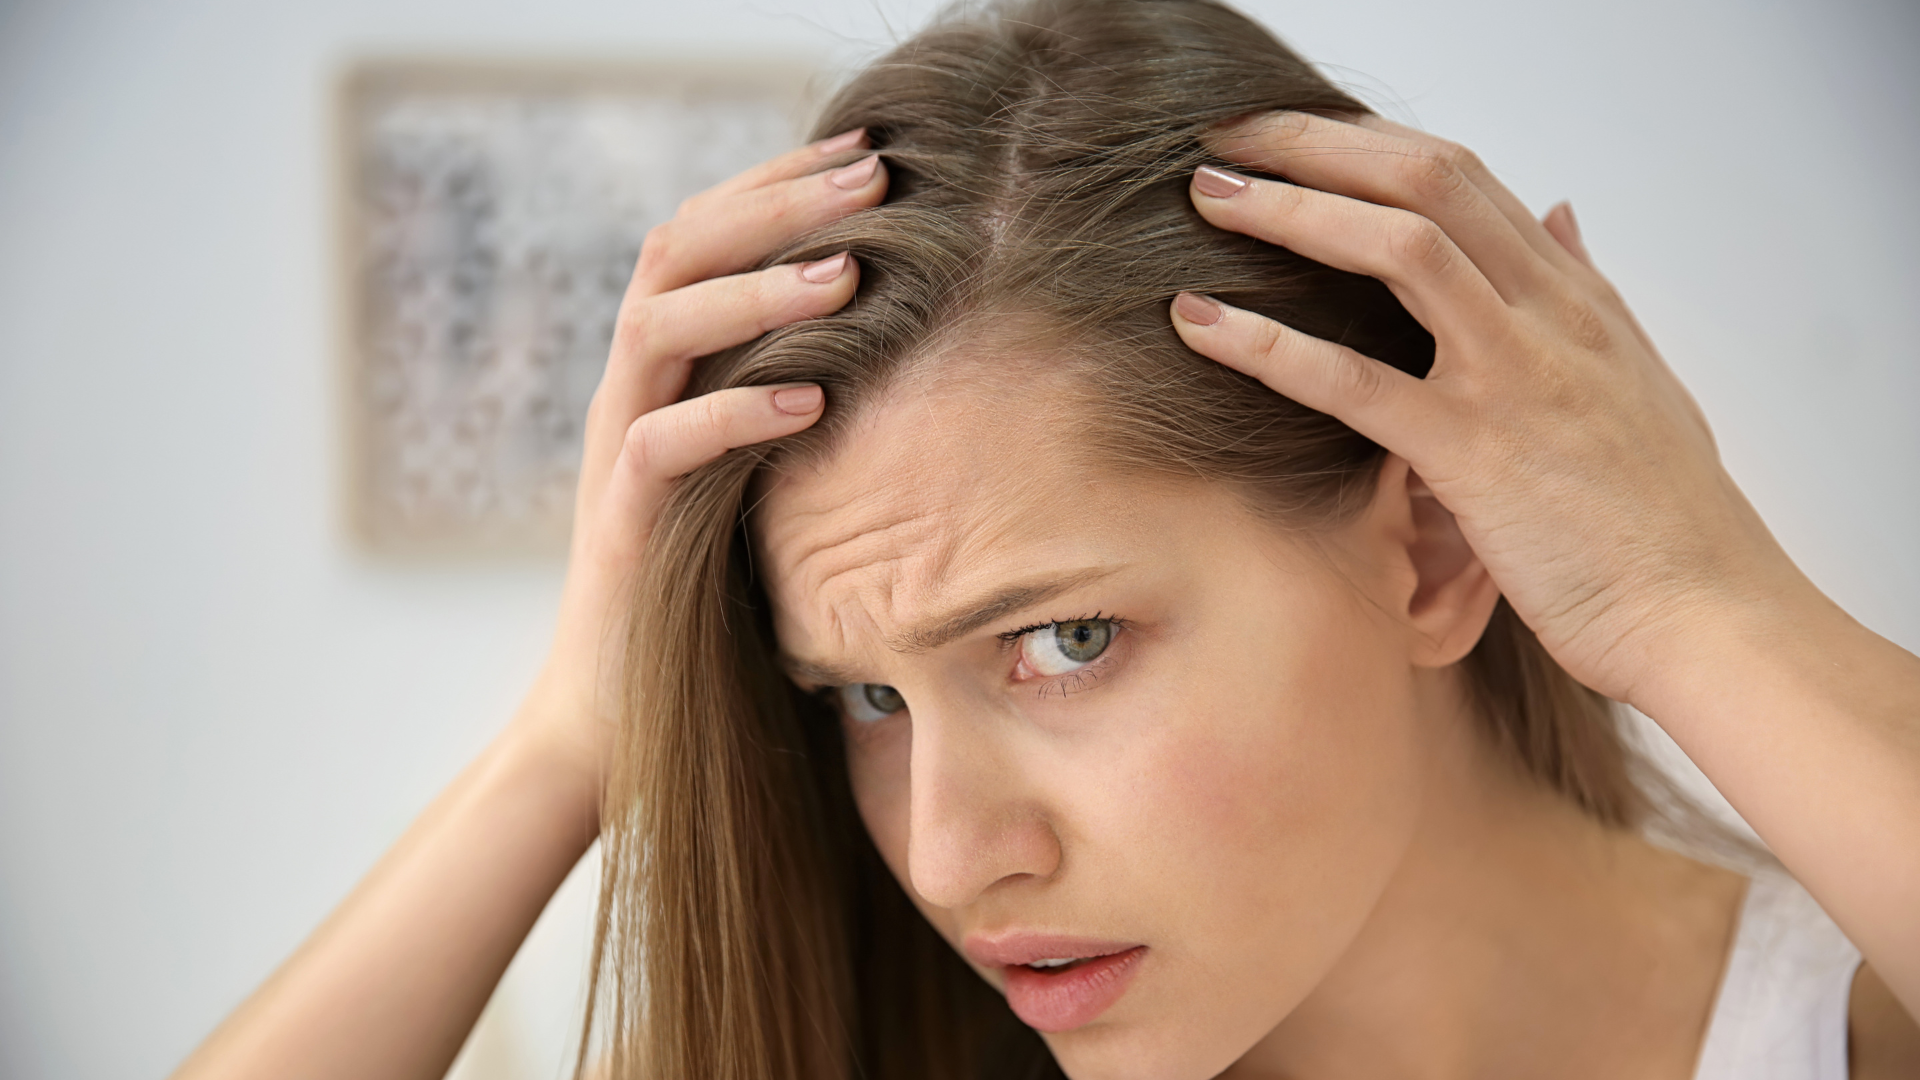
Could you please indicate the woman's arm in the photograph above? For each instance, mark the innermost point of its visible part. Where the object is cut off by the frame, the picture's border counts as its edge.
(1588, 483)
(391, 983)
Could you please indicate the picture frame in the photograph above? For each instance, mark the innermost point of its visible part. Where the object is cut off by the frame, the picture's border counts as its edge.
(489, 214)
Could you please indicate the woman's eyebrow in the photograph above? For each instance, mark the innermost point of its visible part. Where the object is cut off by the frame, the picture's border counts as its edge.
(957, 622)
(963, 619)
(807, 673)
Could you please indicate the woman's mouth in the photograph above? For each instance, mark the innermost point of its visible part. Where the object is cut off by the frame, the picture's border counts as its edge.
(1058, 984)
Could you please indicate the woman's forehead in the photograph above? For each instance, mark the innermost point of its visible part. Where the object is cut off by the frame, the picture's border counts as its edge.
(930, 469)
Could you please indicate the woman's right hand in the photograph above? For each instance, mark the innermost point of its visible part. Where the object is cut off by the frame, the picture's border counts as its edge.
(688, 298)
(390, 985)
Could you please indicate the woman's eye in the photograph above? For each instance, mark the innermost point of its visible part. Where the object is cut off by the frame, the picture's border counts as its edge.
(867, 701)
(1067, 646)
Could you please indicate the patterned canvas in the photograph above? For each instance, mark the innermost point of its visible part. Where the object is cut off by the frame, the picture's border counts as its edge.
(493, 218)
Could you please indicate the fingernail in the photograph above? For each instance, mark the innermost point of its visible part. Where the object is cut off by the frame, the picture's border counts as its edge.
(1217, 183)
(846, 140)
(1571, 220)
(825, 270)
(798, 400)
(856, 174)
(1197, 309)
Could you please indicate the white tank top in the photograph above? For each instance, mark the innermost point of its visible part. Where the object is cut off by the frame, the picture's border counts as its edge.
(1781, 1013)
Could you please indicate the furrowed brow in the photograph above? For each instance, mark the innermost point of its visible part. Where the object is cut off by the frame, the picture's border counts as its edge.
(961, 620)
(965, 618)
(808, 673)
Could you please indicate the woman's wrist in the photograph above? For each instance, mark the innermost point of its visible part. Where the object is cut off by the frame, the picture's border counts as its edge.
(1766, 632)
(555, 737)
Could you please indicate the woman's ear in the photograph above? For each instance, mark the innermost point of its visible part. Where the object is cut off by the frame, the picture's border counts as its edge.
(1453, 596)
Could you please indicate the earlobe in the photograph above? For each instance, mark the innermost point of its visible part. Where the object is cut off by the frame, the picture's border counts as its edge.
(1453, 595)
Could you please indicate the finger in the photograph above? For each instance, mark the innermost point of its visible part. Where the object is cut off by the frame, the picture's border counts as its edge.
(657, 340)
(1561, 225)
(668, 443)
(731, 234)
(1415, 257)
(1508, 203)
(1381, 402)
(1565, 230)
(1429, 179)
(793, 163)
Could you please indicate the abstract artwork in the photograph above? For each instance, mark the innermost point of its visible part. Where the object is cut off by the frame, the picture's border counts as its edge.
(491, 215)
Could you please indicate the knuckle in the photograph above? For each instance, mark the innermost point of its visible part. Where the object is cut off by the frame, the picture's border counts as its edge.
(707, 418)
(769, 289)
(658, 249)
(1287, 198)
(642, 443)
(1286, 126)
(1464, 160)
(634, 325)
(771, 306)
(1419, 244)
(1269, 340)
(1431, 175)
(1357, 381)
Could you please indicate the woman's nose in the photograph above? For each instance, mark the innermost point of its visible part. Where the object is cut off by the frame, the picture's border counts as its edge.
(975, 822)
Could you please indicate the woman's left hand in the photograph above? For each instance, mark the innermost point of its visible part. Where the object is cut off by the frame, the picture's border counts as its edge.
(1587, 481)
(1579, 468)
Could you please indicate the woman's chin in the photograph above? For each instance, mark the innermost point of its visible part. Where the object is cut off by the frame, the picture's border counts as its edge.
(1184, 1043)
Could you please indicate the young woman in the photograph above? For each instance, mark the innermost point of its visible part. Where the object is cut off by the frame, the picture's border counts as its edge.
(1119, 561)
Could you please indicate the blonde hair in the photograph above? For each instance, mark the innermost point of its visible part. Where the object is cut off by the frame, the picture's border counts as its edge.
(1040, 154)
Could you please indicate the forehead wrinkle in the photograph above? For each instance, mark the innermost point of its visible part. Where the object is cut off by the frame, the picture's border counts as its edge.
(931, 504)
(955, 531)
(831, 544)
(971, 615)
(874, 554)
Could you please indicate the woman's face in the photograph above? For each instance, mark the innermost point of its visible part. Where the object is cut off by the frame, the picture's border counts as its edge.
(1122, 724)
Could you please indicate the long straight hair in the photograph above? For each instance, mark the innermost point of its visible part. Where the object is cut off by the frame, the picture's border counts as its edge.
(1040, 153)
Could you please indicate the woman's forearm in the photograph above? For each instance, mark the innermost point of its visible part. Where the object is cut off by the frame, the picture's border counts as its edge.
(1809, 723)
(389, 986)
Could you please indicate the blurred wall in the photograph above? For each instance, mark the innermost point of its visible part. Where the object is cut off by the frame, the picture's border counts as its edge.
(214, 714)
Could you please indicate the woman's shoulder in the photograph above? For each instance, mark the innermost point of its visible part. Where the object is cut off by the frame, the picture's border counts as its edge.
(1795, 1001)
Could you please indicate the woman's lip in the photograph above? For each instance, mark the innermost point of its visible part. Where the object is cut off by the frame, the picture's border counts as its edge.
(1018, 948)
(1074, 997)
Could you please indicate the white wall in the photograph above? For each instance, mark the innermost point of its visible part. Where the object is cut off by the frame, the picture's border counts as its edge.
(213, 715)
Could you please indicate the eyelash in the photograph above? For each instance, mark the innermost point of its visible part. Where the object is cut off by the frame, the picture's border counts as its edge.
(1012, 637)
(1080, 678)
(1071, 682)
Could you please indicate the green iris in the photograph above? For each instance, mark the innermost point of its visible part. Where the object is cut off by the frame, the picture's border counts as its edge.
(1082, 642)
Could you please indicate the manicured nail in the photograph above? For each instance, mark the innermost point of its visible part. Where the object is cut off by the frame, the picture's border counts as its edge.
(855, 175)
(825, 270)
(846, 140)
(1197, 309)
(1217, 183)
(798, 400)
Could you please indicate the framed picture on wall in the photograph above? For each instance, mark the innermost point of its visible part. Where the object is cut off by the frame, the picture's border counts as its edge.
(490, 214)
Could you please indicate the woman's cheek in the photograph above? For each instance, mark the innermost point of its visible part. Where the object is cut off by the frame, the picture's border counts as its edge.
(1262, 816)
